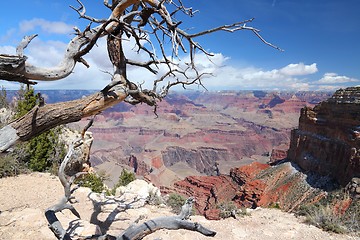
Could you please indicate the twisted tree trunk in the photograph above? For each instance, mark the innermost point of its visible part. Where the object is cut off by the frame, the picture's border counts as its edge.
(43, 118)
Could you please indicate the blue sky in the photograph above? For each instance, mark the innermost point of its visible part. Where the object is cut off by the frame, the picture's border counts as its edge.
(320, 38)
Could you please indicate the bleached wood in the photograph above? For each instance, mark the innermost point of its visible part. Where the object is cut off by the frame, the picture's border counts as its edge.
(8, 137)
(170, 223)
(40, 119)
(128, 19)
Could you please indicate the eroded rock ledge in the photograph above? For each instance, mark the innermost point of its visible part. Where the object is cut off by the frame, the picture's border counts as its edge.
(327, 141)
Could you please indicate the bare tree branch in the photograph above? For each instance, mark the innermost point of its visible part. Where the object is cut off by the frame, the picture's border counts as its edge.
(129, 19)
(82, 10)
(23, 44)
(171, 223)
(152, 27)
(66, 181)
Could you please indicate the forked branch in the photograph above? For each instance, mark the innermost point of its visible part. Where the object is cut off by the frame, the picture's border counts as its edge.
(155, 31)
(66, 201)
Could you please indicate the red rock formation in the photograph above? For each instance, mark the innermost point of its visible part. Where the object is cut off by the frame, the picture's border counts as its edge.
(262, 185)
(278, 153)
(250, 186)
(327, 141)
(157, 162)
(248, 172)
(208, 192)
(139, 167)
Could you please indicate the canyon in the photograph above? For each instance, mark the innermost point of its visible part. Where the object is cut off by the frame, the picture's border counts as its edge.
(323, 156)
(193, 132)
(252, 148)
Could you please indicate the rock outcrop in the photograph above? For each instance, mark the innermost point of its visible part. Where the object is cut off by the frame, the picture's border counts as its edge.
(279, 153)
(282, 185)
(327, 141)
(137, 193)
(202, 159)
(326, 146)
(251, 186)
(208, 192)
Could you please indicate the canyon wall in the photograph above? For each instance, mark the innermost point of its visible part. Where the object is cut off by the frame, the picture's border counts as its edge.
(327, 141)
(324, 148)
(191, 134)
(194, 131)
(251, 186)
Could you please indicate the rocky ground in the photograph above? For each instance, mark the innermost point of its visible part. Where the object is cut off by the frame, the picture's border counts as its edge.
(24, 198)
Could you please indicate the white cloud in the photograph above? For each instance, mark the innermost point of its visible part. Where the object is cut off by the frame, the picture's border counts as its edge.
(298, 69)
(327, 88)
(293, 76)
(333, 78)
(285, 78)
(7, 50)
(45, 53)
(45, 25)
(224, 76)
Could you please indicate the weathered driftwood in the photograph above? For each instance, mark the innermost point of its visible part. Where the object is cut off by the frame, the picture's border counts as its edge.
(40, 119)
(50, 213)
(12, 68)
(67, 181)
(171, 223)
(133, 232)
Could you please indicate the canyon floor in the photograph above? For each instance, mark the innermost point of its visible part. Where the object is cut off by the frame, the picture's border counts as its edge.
(24, 198)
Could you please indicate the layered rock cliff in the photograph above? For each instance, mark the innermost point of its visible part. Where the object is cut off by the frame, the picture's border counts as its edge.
(327, 141)
(252, 186)
(325, 147)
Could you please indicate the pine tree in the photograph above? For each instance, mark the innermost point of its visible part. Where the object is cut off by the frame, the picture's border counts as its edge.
(3, 100)
(45, 150)
(26, 101)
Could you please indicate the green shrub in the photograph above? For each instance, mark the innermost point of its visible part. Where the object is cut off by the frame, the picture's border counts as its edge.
(125, 178)
(92, 181)
(3, 100)
(323, 215)
(10, 166)
(325, 218)
(274, 205)
(154, 199)
(229, 209)
(175, 202)
(26, 101)
(42, 152)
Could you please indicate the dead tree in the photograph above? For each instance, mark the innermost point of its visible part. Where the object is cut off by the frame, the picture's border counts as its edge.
(134, 231)
(151, 24)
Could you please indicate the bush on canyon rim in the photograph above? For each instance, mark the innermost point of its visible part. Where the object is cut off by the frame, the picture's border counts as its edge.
(325, 215)
(92, 181)
(125, 178)
(175, 202)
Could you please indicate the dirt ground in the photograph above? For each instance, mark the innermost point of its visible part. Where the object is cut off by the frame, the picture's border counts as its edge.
(23, 200)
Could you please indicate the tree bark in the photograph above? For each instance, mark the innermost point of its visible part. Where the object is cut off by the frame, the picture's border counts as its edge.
(43, 118)
(12, 68)
(170, 223)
